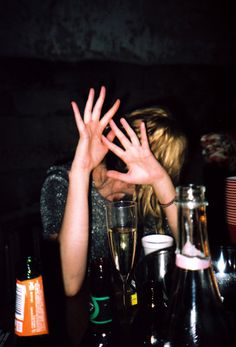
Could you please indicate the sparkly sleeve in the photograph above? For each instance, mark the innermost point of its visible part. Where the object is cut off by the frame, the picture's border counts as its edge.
(52, 200)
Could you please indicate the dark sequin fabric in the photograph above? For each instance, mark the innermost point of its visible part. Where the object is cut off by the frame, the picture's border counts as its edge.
(52, 205)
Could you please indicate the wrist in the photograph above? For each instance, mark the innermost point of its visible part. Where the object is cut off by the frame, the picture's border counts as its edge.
(76, 174)
(167, 204)
(165, 192)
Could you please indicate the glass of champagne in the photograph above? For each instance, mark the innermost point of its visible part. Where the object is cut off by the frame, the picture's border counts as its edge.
(121, 217)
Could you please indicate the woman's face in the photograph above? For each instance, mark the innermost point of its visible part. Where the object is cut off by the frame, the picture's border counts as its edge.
(117, 190)
(111, 189)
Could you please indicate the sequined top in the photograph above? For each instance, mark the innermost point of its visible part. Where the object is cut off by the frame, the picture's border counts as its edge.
(52, 205)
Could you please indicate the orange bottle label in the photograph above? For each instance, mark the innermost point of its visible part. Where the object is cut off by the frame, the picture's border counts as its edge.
(30, 311)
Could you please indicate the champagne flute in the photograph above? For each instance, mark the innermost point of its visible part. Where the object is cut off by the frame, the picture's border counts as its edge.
(121, 217)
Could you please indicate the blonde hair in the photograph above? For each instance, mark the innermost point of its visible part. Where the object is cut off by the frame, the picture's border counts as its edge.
(167, 143)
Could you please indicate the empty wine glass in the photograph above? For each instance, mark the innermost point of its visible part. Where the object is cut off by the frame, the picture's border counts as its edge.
(121, 217)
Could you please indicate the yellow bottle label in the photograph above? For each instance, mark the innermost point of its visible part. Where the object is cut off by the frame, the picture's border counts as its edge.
(134, 299)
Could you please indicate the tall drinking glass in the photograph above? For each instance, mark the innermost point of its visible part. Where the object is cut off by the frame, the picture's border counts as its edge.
(121, 217)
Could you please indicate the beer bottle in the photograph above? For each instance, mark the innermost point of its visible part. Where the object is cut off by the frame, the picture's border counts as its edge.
(100, 330)
(31, 325)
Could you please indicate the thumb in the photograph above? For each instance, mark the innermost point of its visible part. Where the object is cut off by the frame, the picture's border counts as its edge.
(118, 176)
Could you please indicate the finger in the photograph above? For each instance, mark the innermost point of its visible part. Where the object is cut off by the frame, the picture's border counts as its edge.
(114, 148)
(118, 176)
(89, 106)
(132, 135)
(111, 136)
(109, 114)
(120, 135)
(143, 136)
(78, 118)
(96, 113)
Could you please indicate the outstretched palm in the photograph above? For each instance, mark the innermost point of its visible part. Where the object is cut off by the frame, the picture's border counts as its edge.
(143, 168)
(91, 150)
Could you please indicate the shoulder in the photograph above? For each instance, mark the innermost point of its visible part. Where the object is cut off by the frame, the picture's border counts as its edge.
(53, 198)
(55, 185)
(57, 174)
(59, 170)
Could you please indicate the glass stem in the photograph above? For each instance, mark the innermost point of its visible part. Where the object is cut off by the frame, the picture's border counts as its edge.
(124, 285)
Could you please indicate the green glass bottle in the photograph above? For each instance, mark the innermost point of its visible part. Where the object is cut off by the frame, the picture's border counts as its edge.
(100, 330)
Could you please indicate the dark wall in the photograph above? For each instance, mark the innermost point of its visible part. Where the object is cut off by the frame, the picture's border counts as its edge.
(143, 31)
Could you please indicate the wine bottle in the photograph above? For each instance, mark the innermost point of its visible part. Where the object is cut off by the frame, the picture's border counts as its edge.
(148, 328)
(100, 329)
(31, 324)
(196, 316)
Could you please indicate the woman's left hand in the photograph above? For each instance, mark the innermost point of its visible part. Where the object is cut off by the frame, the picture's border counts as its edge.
(143, 167)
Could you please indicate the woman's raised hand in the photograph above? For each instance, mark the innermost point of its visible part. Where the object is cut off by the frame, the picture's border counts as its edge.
(143, 167)
(91, 149)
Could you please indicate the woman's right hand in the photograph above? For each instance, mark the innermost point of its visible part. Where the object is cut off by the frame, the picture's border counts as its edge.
(91, 150)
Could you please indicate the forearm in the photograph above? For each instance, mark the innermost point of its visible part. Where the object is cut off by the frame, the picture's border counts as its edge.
(165, 192)
(73, 236)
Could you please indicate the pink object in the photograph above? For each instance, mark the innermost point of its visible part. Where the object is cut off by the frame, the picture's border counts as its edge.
(191, 263)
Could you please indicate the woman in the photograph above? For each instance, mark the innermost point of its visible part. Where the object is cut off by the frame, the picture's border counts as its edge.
(152, 159)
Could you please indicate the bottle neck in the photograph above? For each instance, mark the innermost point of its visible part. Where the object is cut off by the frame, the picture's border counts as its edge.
(100, 278)
(28, 268)
(192, 251)
(153, 295)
